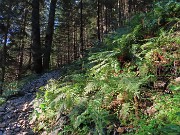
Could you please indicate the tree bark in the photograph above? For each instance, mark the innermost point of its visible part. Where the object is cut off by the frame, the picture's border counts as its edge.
(21, 49)
(119, 13)
(75, 41)
(36, 44)
(49, 35)
(81, 29)
(68, 38)
(4, 51)
(98, 21)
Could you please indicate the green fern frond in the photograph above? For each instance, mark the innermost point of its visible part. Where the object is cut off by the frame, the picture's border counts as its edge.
(91, 87)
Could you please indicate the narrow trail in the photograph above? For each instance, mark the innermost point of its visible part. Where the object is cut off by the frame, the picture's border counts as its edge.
(16, 112)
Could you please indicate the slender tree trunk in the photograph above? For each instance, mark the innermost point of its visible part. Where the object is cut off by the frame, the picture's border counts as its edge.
(98, 21)
(74, 42)
(81, 29)
(22, 47)
(4, 51)
(119, 12)
(49, 35)
(68, 38)
(36, 45)
(110, 18)
(130, 6)
(30, 57)
(106, 18)
(102, 22)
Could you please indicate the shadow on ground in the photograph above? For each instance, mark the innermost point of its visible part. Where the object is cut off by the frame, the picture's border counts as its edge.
(15, 114)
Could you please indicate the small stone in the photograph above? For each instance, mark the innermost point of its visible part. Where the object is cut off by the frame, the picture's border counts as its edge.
(8, 128)
(7, 116)
(1, 113)
(9, 108)
(25, 133)
(25, 107)
(2, 125)
(16, 111)
(1, 132)
(17, 129)
(18, 103)
(8, 132)
(2, 109)
(21, 122)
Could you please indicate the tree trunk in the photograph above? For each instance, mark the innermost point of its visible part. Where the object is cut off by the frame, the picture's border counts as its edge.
(119, 13)
(106, 18)
(98, 21)
(4, 51)
(74, 41)
(81, 29)
(130, 6)
(36, 45)
(21, 49)
(68, 38)
(49, 35)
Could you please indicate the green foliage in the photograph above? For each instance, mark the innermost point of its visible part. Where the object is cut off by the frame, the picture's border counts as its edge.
(10, 89)
(93, 116)
(2, 100)
(166, 119)
(101, 92)
(13, 88)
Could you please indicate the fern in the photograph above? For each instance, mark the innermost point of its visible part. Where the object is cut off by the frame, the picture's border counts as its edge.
(91, 87)
(93, 114)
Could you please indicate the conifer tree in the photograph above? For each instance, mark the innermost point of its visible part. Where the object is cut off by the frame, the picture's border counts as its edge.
(36, 44)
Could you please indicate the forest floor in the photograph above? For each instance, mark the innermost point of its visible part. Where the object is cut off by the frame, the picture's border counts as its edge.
(15, 114)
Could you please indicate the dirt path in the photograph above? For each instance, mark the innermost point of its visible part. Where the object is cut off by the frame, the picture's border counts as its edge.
(16, 112)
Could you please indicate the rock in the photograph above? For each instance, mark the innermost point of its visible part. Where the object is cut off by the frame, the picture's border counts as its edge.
(16, 110)
(17, 129)
(23, 133)
(8, 132)
(2, 109)
(7, 116)
(25, 107)
(2, 113)
(2, 125)
(10, 107)
(17, 103)
(30, 132)
(1, 132)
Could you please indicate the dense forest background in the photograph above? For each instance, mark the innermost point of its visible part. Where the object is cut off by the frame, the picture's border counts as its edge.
(40, 35)
(119, 63)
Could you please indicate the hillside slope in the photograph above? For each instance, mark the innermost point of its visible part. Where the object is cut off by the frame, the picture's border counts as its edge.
(128, 85)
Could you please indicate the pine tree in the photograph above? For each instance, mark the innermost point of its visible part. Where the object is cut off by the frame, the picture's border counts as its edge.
(49, 35)
(36, 45)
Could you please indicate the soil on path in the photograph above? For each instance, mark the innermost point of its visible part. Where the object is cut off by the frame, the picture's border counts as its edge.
(15, 114)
